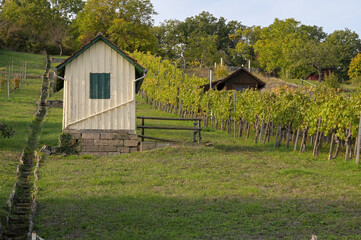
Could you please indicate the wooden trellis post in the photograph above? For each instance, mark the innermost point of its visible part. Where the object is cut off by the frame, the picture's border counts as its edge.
(358, 143)
(235, 109)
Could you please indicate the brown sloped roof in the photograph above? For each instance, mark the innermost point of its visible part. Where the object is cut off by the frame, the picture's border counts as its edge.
(241, 69)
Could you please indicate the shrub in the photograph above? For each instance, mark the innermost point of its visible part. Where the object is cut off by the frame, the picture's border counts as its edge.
(355, 67)
(6, 131)
(356, 81)
(221, 72)
(331, 80)
(67, 145)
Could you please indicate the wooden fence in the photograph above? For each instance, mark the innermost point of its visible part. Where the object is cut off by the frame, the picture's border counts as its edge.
(196, 128)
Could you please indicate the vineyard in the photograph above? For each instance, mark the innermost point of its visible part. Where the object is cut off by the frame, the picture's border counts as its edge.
(303, 117)
(12, 78)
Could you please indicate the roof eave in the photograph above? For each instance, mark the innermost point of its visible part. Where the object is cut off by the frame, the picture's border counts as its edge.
(134, 62)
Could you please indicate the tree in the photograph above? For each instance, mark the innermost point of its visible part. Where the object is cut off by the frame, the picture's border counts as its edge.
(170, 39)
(355, 67)
(278, 43)
(35, 25)
(202, 49)
(64, 12)
(67, 9)
(178, 37)
(24, 24)
(131, 36)
(127, 22)
(246, 38)
(319, 55)
(347, 44)
(354, 71)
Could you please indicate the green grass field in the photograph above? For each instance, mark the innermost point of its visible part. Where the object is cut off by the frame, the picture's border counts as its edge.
(17, 112)
(234, 189)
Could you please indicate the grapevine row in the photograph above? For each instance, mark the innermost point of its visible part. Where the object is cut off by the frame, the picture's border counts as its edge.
(291, 115)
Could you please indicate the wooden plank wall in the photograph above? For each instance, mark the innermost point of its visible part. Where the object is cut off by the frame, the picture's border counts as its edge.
(99, 58)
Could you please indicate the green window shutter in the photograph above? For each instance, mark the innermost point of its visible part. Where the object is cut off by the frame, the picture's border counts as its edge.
(100, 85)
(107, 86)
(93, 86)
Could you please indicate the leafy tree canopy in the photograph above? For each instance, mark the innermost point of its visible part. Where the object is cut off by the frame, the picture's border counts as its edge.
(347, 44)
(127, 22)
(355, 67)
(35, 25)
(202, 39)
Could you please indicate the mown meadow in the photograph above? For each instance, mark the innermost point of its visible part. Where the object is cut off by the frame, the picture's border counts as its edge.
(229, 189)
(232, 189)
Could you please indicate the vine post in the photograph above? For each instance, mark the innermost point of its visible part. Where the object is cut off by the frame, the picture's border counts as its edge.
(235, 109)
(358, 143)
(9, 77)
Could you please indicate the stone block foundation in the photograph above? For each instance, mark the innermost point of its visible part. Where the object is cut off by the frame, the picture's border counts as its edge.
(105, 142)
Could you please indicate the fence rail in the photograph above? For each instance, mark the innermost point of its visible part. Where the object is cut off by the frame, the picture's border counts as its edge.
(196, 128)
(308, 83)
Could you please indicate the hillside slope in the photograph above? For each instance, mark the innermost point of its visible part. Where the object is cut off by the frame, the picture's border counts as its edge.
(234, 189)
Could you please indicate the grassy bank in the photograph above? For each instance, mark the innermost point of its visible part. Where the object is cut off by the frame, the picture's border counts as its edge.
(233, 190)
(17, 112)
(8, 163)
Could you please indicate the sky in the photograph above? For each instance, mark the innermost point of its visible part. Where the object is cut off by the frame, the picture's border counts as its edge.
(331, 15)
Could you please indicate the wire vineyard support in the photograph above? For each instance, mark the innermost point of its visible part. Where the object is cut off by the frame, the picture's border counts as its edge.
(314, 114)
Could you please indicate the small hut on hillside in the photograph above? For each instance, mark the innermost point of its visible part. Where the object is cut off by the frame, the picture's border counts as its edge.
(238, 80)
(100, 82)
(315, 77)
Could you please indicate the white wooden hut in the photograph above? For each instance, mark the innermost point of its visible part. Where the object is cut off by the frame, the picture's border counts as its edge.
(100, 82)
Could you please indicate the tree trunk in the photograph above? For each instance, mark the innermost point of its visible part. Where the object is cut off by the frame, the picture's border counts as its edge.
(60, 50)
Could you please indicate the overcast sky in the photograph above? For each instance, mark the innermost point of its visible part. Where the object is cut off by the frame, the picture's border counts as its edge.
(329, 14)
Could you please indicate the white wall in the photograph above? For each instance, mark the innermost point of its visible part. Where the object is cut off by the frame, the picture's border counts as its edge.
(99, 58)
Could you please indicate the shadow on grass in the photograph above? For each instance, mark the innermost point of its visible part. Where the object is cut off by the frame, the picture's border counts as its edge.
(154, 217)
(238, 148)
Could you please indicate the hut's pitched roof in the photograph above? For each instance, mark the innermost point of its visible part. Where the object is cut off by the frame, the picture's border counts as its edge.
(60, 69)
(217, 83)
